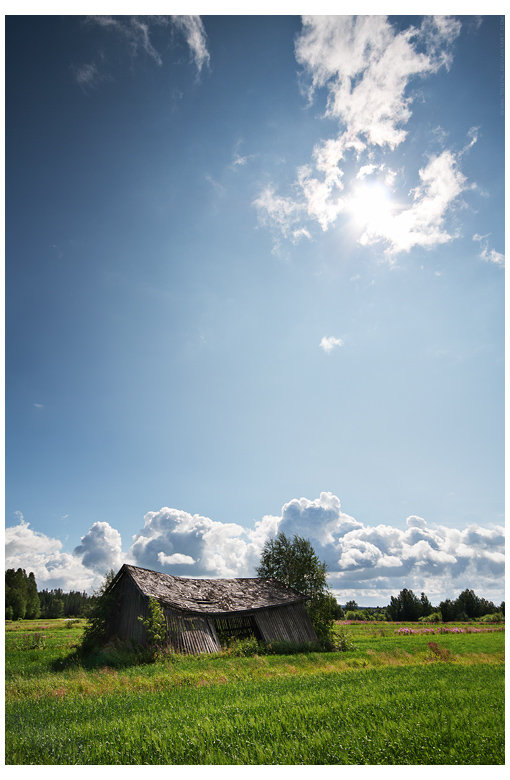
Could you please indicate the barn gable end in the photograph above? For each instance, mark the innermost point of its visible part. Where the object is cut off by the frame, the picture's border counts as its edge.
(199, 612)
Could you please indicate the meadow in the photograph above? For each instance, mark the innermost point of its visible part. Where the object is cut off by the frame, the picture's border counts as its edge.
(408, 694)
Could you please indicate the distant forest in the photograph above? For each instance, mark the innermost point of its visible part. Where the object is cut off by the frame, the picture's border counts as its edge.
(24, 601)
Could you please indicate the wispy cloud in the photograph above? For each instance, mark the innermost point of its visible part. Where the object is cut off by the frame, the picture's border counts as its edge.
(87, 75)
(138, 34)
(328, 343)
(217, 186)
(194, 32)
(366, 66)
(240, 160)
(39, 406)
(489, 255)
(423, 222)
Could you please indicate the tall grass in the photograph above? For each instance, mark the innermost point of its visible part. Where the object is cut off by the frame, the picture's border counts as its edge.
(395, 699)
(409, 715)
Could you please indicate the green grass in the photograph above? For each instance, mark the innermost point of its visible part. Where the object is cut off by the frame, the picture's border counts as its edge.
(390, 701)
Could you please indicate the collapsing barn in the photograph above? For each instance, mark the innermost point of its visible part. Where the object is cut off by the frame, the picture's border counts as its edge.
(200, 613)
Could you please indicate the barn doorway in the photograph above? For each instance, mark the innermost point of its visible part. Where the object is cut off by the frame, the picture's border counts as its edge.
(236, 627)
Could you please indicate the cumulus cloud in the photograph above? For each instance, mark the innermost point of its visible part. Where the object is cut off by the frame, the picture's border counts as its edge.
(33, 551)
(367, 562)
(193, 544)
(328, 343)
(366, 67)
(101, 548)
(374, 562)
(171, 560)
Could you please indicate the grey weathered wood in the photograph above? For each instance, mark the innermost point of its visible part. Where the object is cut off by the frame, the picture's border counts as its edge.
(195, 609)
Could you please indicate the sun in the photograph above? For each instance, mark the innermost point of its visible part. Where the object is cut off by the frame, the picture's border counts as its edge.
(371, 205)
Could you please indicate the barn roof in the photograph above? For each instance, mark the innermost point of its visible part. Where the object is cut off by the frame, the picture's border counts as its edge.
(211, 596)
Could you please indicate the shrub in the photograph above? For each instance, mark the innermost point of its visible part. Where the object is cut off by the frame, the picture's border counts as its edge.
(496, 617)
(434, 617)
(242, 648)
(96, 631)
(286, 647)
(440, 652)
(355, 615)
(343, 640)
(155, 630)
(35, 641)
(114, 654)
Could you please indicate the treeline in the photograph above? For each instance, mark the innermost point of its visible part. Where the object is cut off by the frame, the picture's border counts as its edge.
(21, 597)
(23, 600)
(409, 608)
(55, 603)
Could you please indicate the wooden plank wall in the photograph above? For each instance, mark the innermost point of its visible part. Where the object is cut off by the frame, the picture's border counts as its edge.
(191, 633)
(197, 633)
(290, 622)
(132, 604)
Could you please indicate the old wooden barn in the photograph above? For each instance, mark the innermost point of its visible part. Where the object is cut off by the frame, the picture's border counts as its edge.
(200, 613)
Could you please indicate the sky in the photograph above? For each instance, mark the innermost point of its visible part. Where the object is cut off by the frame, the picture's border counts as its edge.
(254, 282)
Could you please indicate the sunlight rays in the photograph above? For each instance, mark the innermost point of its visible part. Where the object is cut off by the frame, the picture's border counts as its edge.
(371, 206)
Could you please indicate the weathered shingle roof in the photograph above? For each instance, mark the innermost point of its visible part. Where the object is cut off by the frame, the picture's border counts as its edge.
(212, 596)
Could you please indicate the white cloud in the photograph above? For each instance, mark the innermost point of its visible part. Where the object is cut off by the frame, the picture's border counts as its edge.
(366, 170)
(138, 32)
(366, 66)
(378, 561)
(135, 30)
(422, 223)
(489, 255)
(101, 548)
(280, 214)
(33, 551)
(328, 343)
(365, 562)
(319, 203)
(87, 75)
(219, 188)
(176, 538)
(194, 32)
(176, 558)
(20, 539)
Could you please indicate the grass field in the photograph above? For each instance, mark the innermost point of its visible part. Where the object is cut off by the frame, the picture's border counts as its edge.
(395, 699)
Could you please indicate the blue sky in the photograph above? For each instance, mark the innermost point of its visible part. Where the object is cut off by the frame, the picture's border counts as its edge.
(255, 282)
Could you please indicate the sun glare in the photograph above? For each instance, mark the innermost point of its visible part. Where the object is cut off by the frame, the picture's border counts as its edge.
(371, 205)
